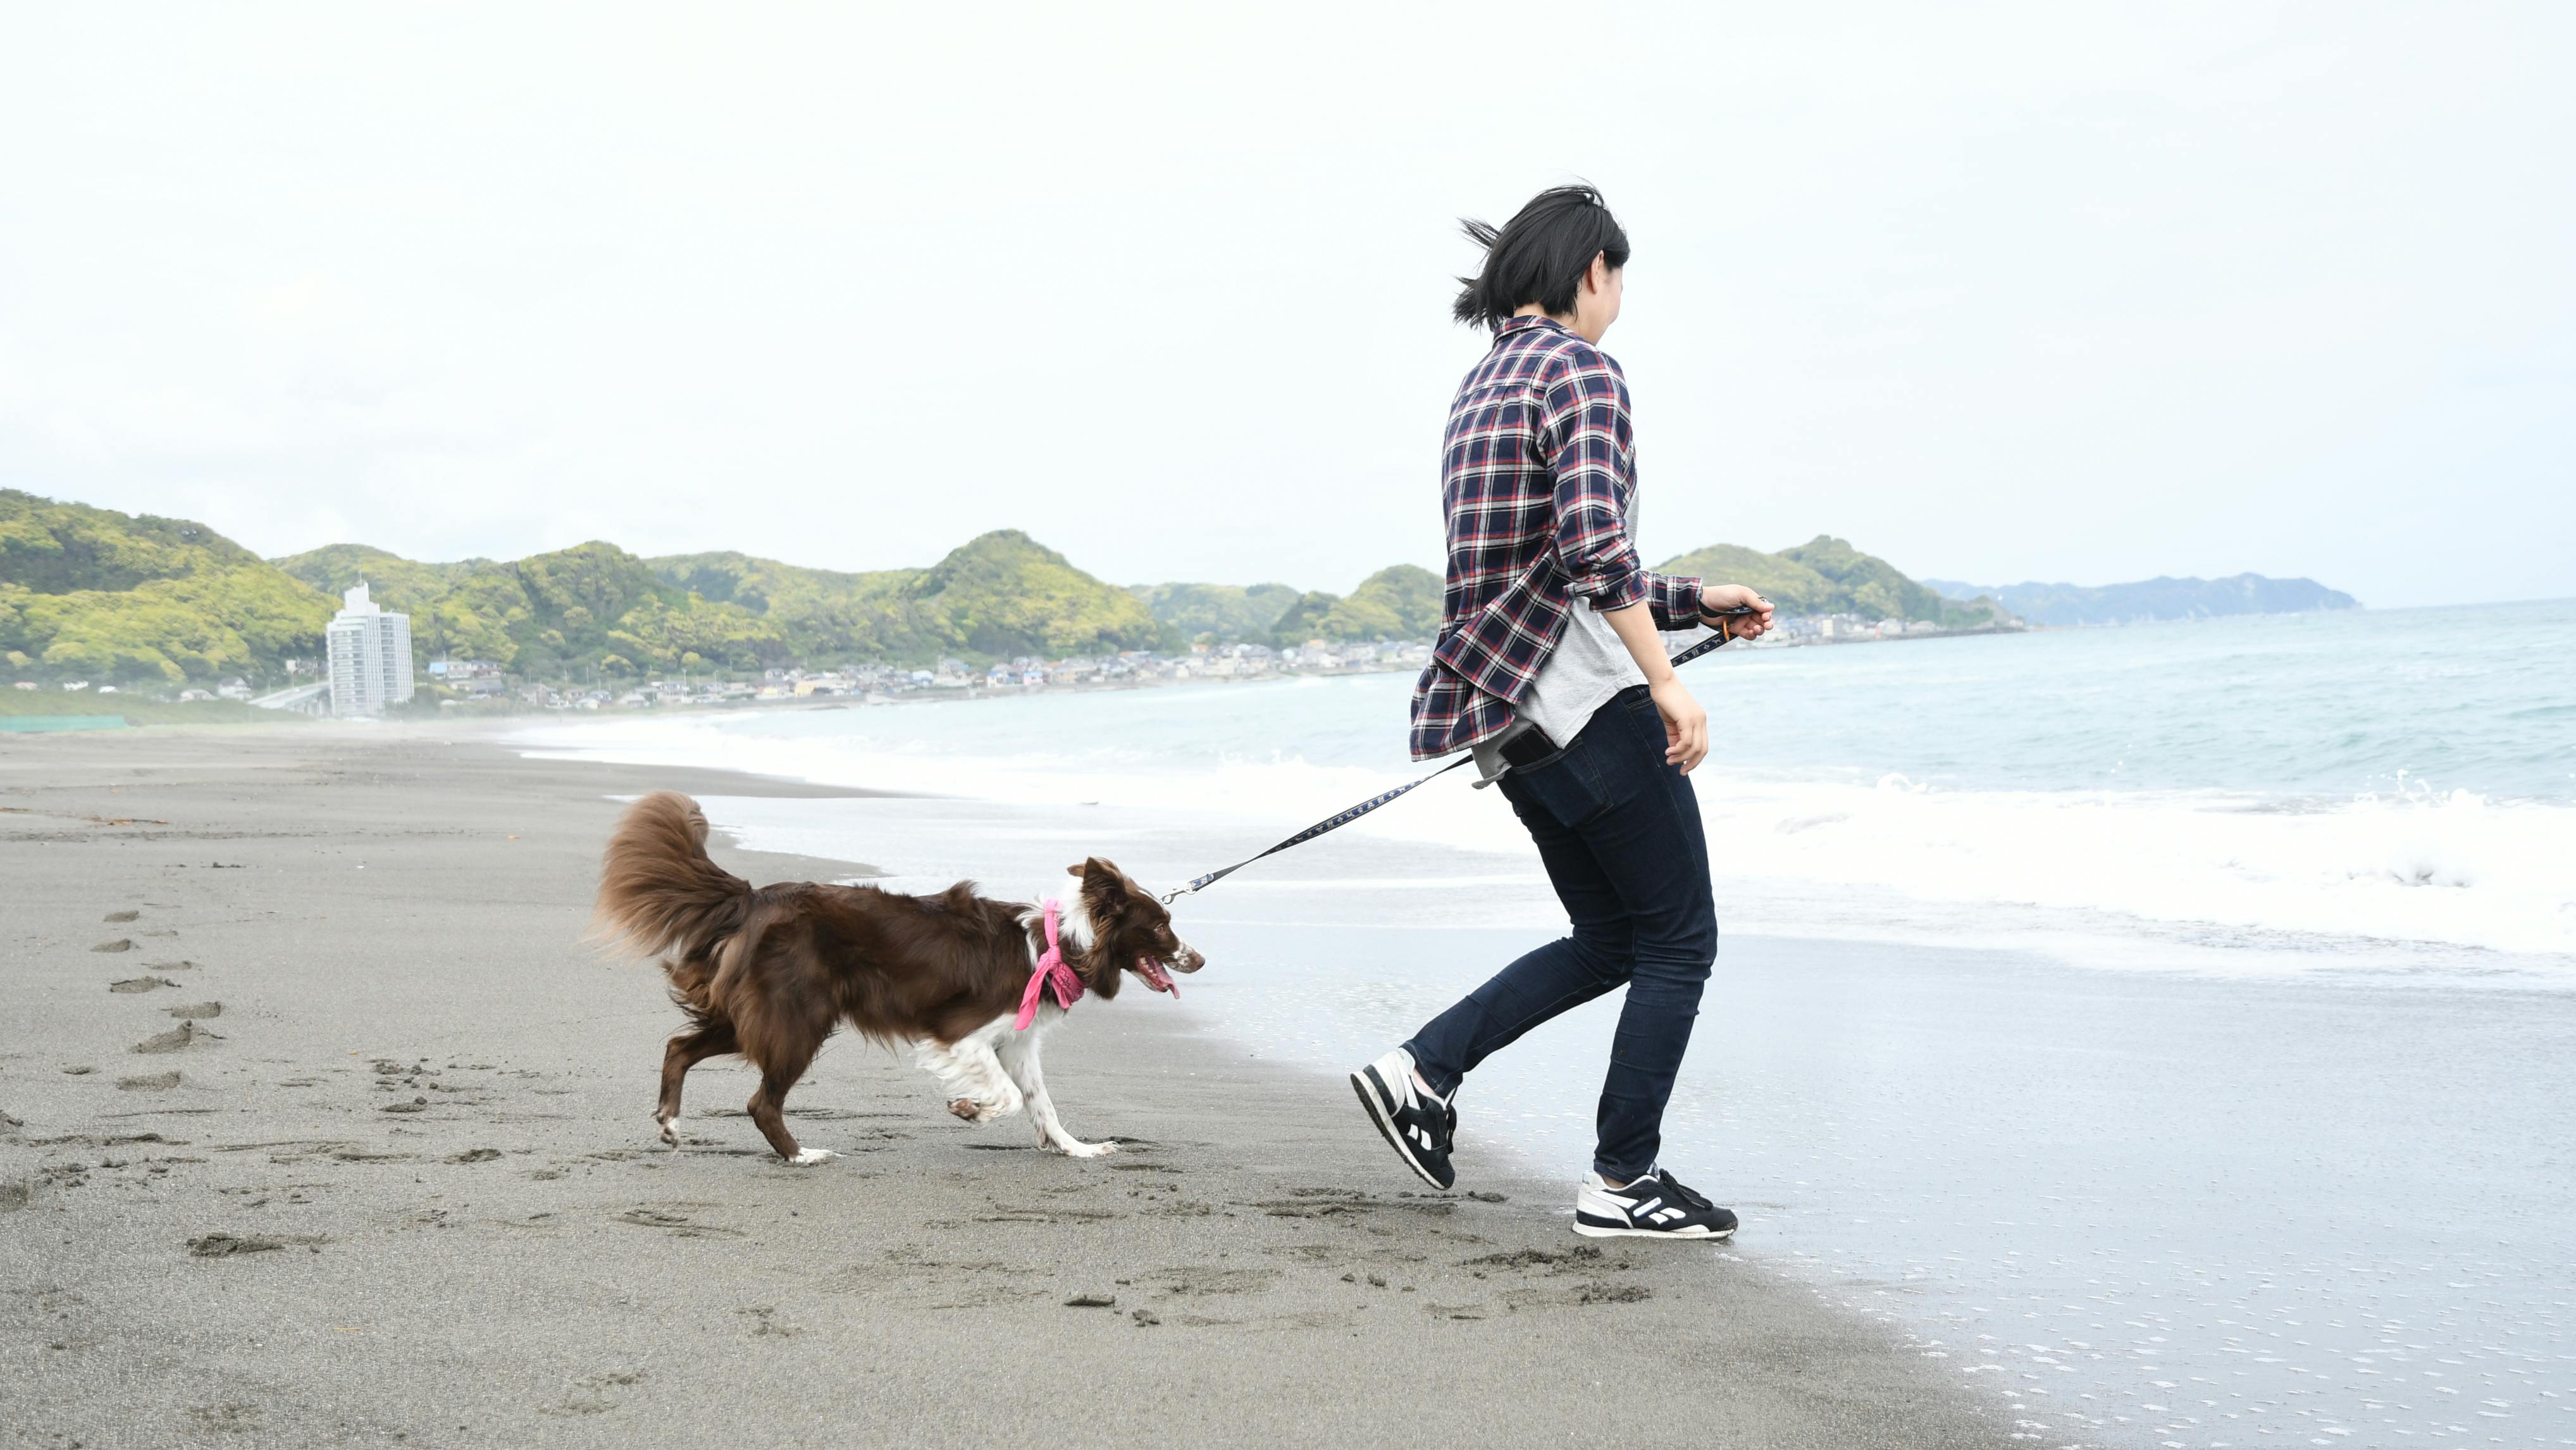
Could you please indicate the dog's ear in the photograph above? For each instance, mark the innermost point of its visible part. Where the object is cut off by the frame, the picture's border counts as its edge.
(1104, 884)
(1076, 868)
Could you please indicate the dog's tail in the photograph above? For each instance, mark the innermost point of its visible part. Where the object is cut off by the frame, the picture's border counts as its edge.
(660, 895)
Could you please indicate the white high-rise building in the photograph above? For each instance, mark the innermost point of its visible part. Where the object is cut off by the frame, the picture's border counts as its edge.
(370, 656)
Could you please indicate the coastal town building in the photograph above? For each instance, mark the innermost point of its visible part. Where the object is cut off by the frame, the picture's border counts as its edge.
(370, 652)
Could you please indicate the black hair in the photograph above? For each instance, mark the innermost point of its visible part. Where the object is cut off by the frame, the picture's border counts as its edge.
(1540, 255)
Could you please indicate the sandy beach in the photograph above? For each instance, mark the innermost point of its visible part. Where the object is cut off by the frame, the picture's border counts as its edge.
(341, 1138)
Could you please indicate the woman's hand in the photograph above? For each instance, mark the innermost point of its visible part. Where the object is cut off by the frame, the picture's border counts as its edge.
(1685, 723)
(1715, 597)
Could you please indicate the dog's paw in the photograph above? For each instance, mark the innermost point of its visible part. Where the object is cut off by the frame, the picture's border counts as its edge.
(975, 1111)
(1076, 1148)
(671, 1133)
(812, 1156)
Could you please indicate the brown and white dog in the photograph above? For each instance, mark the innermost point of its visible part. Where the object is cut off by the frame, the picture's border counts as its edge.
(770, 973)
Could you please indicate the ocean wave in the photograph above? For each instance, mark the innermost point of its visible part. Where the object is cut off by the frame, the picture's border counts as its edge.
(2129, 872)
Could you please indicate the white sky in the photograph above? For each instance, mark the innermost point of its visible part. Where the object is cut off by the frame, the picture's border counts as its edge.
(2058, 291)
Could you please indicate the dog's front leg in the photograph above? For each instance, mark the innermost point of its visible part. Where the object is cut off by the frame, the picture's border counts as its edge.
(1019, 1055)
(977, 1088)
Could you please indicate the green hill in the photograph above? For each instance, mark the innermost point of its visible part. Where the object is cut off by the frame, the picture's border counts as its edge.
(1794, 587)
(553, 616)
(89, 593)
(1005, 594)
(1216, 613)
(828, 618)
(999, 596)
(393, 581)
(1826, 575)
(563, 614)
(1399, 602)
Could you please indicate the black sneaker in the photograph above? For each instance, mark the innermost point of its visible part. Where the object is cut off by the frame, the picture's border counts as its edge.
(1656, 1206)
(1419, 1125)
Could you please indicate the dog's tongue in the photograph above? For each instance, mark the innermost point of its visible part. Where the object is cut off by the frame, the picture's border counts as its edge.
(1156, 978)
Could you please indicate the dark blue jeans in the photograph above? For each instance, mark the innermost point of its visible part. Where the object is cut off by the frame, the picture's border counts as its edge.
(1619, 832)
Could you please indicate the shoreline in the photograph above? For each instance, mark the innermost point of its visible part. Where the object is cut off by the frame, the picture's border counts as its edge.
(397, 1188)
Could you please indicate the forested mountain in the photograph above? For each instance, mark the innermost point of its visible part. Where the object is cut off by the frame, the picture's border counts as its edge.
(1005, 594)
(1398, 602)
(89, 593)
(550, 616)
(1825, 575)
(598, 607)
(2157, 598)
(395, 582)
(1401, 601)
(1217, 613)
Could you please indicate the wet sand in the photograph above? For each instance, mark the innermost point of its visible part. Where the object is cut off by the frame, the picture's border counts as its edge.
(343, 1138)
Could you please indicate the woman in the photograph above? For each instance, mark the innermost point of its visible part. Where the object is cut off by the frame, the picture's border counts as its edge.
(1551, 670)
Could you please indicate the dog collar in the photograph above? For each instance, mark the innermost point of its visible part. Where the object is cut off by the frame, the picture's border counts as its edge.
(1051, 968)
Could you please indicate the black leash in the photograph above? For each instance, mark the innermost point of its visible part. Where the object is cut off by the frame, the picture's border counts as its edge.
(1344, 818)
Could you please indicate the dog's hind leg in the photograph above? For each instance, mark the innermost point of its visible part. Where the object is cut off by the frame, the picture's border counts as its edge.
(1019, 1057)
(768, 1107)
(687, 1050)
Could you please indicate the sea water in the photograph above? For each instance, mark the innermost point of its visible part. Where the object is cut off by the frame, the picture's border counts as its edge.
(2388, 790)
(2169, 1026)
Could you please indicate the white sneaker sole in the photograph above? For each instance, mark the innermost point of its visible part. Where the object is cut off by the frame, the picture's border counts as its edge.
(1597, 1231)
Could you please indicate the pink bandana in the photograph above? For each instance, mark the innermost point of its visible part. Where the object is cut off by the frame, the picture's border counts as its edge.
(1050, 969)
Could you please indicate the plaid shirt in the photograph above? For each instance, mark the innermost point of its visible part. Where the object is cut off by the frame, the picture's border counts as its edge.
(1539, 472)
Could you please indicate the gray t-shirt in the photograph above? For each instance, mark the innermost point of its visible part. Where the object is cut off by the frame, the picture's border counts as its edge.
(1589, 665)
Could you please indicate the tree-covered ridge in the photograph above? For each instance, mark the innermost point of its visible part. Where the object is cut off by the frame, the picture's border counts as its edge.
(90, 593)
(1402, 601)
(597, 607)
(393, 581)
(828, 617)
(1216, 613)
(553, 616)
(1826, 575)
(999, 596)
(1005, 594)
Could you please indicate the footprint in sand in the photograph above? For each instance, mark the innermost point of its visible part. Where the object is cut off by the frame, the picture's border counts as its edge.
(148, 1082)
(228, 1419)
(174, 1040)
(220, 1246)
(121, 944)
(117, 916)
(197, 1009)
(140, 984)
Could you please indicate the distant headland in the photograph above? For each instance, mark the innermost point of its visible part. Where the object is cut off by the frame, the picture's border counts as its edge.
(2160, 598)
